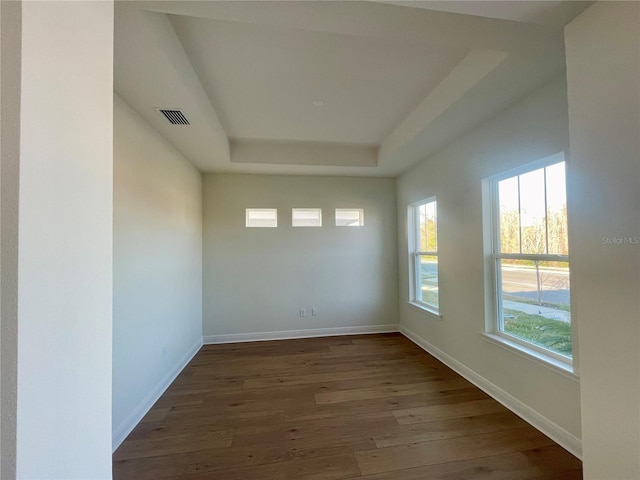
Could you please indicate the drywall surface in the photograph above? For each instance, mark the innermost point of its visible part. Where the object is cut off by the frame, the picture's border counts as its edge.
(256, 280)
(10, 51)
(530, 130)
(603, 74)
(65, 241)
(157, 264)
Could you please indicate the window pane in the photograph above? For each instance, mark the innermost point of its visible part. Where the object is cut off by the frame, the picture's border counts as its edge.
(349, 217)
(509, 205)
(432, 240)
(428, 280)
(306, 217)
(557, 209)
(422, 219)
(261, 217)
(535, 303)
(533, 229)
(428, 227)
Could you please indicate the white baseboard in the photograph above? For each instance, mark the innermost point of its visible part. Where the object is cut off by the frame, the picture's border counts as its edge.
(128, 424)
(558, 434)
(288, 334)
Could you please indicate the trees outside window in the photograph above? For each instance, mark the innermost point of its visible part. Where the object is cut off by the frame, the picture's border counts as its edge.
(423, 253)
(531, 258)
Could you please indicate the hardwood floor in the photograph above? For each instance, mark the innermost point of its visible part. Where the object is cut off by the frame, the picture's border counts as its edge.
(373, 407)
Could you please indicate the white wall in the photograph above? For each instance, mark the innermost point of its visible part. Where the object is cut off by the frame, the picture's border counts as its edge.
(531, 130)
(65, 241)
(257, 279)
(157, 266)
(603, 57)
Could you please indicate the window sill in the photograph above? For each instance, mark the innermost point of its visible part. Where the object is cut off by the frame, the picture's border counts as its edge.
(546, 361)
(427, 310)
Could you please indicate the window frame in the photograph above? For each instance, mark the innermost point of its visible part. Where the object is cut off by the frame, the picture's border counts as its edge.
(415, 254)
(306, 209)
(495, 324)
(247, 214)
(360, 216)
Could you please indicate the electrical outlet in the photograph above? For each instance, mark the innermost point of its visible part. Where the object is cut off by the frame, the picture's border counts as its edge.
(314, 312)
(164, 352)
(303, 312)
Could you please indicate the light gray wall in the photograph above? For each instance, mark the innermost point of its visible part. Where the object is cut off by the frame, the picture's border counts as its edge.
(157, 265)
(65, 241)
(10, 52)
(531, 130)
(603, 71)
(257, 279)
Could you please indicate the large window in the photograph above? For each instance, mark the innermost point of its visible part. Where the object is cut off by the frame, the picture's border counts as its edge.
(423, 253)
(530, 259)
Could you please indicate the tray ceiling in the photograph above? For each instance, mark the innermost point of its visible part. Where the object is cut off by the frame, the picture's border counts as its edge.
(333, 88)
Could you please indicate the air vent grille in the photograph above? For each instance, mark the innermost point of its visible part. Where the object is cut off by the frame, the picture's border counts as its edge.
(175, 117)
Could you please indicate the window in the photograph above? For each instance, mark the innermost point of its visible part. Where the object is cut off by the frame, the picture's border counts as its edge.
(261, 217)
(306, 217)
(423, 253)
(530, 260)
(349, 217)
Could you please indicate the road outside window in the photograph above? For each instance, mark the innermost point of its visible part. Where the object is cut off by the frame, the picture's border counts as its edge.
(531, 259)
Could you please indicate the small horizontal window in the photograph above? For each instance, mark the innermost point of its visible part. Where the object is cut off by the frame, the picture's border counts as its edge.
(262, 217)
(349, 217)
(306, 217)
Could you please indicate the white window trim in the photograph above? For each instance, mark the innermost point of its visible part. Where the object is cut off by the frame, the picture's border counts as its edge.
(556, 362)
(360, 216)
(413, 223)
(295, 209)
(541, 358)
(248, 213)
(423, 307)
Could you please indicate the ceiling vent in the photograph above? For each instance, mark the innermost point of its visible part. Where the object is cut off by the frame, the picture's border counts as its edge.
(175, 117)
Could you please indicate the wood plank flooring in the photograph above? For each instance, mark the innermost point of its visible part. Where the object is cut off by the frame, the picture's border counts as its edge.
(372, 407)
